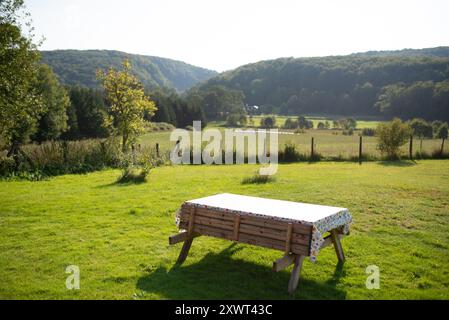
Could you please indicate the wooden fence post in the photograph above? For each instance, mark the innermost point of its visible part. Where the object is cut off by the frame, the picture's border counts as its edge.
(312, 149)
(360, 150)
(411, 148)
(442, 148)
(157, 150)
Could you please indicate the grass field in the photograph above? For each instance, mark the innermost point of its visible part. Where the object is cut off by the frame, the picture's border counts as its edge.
(328, 143)
(280, 121)
(117, 234)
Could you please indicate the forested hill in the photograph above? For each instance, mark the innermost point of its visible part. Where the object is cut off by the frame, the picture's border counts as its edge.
(75, 67)
(395, 85)
(442, 52)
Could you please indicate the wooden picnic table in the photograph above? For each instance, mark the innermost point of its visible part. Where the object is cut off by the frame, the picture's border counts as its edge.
(298, 229)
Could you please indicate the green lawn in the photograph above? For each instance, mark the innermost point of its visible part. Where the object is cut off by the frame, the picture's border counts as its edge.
(117, 234)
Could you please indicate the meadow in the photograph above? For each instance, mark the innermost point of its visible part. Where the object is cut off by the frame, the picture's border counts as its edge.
(118, 234)
(330, 144)
(364, 122)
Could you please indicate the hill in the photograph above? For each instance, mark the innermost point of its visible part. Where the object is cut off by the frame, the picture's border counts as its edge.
(442, 52)
(360, 84)
(76, 67)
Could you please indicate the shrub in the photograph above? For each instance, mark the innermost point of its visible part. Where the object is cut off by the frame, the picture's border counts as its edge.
(349, 132)
(64, 157)
(257, 178)
(268, 122)
(321, 126)
(391, 136)
(159, 126)
(290, 153)
(133, 175)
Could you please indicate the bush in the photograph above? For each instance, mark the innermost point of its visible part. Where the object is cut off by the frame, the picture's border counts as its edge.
(268, 122)
(65, 157)
(133, 175)
(349, 132)
(159, 126)
(290, 153)
(257, 178)
(391, 136)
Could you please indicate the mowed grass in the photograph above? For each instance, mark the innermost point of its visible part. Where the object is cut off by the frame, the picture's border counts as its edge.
(118, 234)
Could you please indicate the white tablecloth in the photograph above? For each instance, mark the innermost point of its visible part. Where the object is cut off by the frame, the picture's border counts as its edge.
(321, 218)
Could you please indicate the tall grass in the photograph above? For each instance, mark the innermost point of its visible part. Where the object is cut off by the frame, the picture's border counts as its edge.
(51, 158)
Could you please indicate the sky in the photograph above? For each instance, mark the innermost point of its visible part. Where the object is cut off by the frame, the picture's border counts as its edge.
(224, 34)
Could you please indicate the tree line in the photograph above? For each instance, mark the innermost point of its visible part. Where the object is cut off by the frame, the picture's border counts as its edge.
(36, 107)
(401, 86)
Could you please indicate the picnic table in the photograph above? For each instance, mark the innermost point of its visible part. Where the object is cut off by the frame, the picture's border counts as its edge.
(298, 229)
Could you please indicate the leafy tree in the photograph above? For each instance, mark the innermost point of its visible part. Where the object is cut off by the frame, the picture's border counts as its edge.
(403, 86)
(391, 136)
(321, 126)
(442, 134)
(236, 120)
(87, 114)
(303, 123)
(53, 121)
(128, 102)
(20, 102)
(290, 124)
(421, 128)
(435, 126)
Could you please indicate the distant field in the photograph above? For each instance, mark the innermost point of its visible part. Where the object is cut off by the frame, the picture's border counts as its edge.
(118, 234)
(328, 143)
(280, 121)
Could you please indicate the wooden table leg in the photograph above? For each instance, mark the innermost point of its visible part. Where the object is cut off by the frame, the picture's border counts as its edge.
(184, 251)
(296, 272)
(337, 245)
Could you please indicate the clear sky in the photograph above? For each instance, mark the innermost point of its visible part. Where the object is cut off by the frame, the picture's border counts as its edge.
(224, 34)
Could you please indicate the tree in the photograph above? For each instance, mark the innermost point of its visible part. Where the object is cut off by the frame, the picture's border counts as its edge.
(20, 102)
(303, 123)
(290, 124)
(87, 114)
(421, 128)
(442, 133)
(236, 120)
(53, 121)
(128, 102)
(391, 136)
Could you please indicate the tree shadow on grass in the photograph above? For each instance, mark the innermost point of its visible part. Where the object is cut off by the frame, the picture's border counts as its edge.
(398, 163)
(218, 276)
